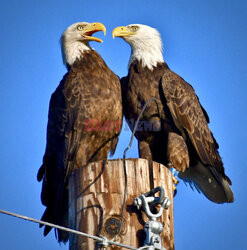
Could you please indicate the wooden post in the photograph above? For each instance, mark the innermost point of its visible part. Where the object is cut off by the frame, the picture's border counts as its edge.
(96, 196)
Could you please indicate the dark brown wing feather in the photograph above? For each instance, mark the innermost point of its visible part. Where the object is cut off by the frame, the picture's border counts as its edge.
(189, 116)
(191, 119)
(61, 143)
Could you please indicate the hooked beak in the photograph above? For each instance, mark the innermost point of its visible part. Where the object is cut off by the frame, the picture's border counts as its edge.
(91, 29)
(122, 31)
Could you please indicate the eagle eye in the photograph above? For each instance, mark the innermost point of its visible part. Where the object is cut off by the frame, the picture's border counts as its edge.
(80, 27)
(134, 28)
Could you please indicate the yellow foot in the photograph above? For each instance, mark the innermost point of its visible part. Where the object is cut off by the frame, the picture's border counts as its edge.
(174, 179)
(175, 183)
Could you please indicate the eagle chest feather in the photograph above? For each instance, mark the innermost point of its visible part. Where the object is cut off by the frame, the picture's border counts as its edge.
(140, 85)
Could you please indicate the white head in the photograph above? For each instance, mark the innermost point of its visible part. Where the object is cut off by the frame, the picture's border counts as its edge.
(75, 40)
(145, 42)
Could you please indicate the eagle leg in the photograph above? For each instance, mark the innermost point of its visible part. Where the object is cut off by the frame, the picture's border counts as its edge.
(177, 152)
(145, 151)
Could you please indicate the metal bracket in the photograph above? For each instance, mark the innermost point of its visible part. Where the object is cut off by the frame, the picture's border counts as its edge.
(153, 228)
(103, 244)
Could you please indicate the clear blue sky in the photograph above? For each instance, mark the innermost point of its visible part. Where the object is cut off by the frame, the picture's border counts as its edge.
(204, 41)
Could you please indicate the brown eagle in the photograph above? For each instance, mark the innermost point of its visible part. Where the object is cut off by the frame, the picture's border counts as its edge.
(85, 119)
(174, 129)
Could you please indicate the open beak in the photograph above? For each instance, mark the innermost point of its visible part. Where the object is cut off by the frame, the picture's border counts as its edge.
(91, 29)
(122, 31)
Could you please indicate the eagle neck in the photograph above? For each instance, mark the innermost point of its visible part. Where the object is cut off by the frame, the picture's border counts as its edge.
(72, 51)
(89, 61)
(149, 55)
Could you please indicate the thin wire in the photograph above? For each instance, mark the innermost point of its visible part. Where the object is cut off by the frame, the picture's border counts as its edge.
(66, 229)
(124, 161)
(136, 124)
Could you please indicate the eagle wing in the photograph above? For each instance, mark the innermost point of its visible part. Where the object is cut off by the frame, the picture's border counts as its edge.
(63, 137)
(190, 118)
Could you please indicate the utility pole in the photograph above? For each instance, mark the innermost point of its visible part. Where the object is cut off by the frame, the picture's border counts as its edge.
(96, 194)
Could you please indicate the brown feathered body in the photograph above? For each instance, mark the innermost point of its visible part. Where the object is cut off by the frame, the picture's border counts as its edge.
(85, 119)
(174, 128)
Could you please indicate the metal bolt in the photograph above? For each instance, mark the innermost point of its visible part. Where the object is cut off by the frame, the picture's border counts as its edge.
(138, 202)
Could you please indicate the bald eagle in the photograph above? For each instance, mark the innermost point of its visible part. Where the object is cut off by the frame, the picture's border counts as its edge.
(174, 130)
(85, 119)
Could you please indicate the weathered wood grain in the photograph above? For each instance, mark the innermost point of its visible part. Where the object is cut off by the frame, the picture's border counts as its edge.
(96, 195)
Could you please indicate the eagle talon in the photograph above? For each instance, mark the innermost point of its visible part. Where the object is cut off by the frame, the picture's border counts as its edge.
(174, 191)
(175, 181)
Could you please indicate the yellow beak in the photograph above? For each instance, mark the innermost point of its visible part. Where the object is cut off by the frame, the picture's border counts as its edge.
(91, 29)
(122, 31)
